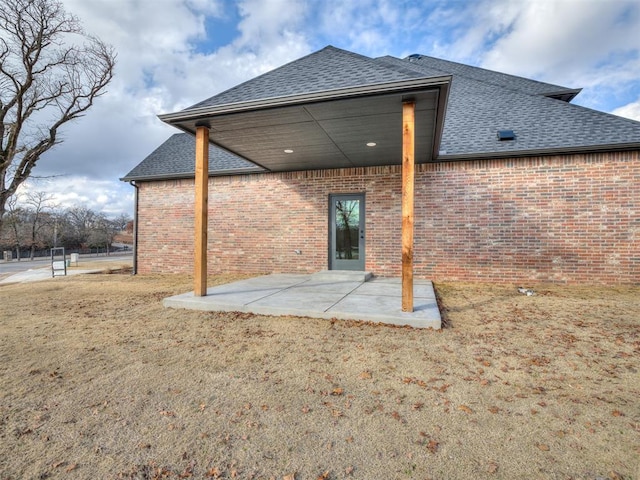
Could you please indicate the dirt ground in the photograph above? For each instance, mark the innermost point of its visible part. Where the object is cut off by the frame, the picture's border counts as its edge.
(98, 380)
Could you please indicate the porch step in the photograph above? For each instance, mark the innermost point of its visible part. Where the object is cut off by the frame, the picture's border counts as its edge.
(342, 276)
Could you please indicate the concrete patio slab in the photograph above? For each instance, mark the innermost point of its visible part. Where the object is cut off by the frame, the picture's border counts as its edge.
(324, 296)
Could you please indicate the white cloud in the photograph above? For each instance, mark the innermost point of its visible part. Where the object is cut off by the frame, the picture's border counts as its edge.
(587, 44)
(561, 39)
(631, 110)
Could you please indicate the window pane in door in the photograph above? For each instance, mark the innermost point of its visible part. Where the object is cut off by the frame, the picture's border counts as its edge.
(347, 229)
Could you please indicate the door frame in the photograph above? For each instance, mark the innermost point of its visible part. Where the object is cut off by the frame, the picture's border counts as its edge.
(359, 264)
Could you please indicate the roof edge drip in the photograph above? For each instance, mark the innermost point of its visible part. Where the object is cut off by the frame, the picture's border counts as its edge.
(616, 147)
(186, 175)
(312, 97)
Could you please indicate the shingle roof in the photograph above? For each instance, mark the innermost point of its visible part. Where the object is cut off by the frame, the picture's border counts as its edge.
(526, 85)
(481, 102)
(175, 158)
(327, 69)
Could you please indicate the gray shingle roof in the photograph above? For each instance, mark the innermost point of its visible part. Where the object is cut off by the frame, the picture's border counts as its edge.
(526, 85)
(327, 69)
(175, 158)
(481, 102)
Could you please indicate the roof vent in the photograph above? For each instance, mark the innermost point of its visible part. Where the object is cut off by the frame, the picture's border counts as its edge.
(414, 56)
(504, 135)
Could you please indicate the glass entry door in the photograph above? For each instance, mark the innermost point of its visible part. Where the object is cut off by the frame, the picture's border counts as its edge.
(346, 229)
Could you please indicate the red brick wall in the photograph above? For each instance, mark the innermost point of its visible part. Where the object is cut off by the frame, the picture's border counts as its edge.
(563, 219)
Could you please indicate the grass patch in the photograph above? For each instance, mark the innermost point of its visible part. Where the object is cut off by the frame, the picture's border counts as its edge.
(98, 380)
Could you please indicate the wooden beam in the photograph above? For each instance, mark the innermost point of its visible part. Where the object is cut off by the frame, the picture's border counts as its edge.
(201, 211)
(408, 166)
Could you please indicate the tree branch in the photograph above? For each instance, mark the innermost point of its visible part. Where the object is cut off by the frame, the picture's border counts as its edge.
(43, 77)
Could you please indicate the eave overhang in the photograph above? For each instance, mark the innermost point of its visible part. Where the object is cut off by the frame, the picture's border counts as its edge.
(326, 129)
(183, 175)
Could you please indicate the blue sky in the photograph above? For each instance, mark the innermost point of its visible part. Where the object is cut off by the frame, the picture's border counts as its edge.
(174, 53)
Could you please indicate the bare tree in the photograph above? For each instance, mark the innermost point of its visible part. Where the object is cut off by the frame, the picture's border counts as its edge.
(81, 221)
(120, 222)
(38, 205)
(15, 222)
(103, 232)
(46, 80)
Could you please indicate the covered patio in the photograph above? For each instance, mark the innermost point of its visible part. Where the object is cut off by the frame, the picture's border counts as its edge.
(303, 128)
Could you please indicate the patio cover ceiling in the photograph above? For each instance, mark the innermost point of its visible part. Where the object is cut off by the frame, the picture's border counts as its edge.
(328, 129)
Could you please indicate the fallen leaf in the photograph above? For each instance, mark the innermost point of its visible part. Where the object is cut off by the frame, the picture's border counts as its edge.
(397, 416)
(492, 467)
(494, 409)
(543, 446)
(465, 409)
(291, 476)
(432, 446)
(187, 473)
(337, 391)
(349, 470)
(71, 467)
(213, 472)
(324, 476)
(366, 375)
(617, 413)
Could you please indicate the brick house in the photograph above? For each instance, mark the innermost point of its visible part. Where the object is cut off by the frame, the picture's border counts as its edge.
(512, 182)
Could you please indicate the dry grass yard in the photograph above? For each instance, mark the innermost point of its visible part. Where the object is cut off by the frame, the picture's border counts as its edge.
(98, 380)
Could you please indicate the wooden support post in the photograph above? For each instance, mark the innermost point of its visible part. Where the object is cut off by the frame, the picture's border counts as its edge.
(408, 161)
(201, 211)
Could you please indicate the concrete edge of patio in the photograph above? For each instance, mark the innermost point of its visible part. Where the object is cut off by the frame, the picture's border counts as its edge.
(378, 300)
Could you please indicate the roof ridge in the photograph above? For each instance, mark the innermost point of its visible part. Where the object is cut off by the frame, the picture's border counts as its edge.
(464, 70)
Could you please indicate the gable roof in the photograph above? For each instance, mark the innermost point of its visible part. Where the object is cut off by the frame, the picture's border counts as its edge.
(175, 158)
(480, 102)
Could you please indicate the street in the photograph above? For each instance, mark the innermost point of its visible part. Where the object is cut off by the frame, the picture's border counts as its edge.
(23, 265)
